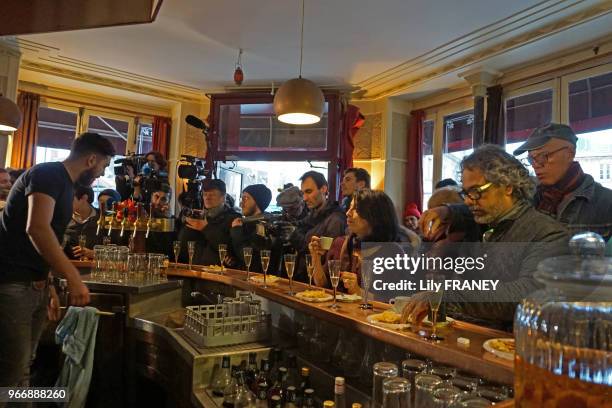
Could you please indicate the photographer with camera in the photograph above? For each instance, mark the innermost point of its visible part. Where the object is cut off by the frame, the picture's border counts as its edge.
(153, 174)
(212, 229)
(254, 201)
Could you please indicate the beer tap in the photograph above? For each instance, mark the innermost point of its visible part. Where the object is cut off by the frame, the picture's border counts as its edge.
(124, 220)
(101, 221)
(150, 220)
(115, 215)
(136, 221)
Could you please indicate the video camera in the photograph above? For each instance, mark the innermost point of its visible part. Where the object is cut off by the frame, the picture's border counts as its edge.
(276, 225)
(150, 179)
(192, 169)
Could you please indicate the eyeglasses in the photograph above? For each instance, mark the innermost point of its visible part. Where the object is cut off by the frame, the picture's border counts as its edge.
(475, 193)
(542, 158)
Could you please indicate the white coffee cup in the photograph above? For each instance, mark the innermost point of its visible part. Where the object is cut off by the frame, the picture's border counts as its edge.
(326, 243)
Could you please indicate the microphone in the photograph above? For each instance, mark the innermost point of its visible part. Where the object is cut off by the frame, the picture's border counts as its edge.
(195, 122)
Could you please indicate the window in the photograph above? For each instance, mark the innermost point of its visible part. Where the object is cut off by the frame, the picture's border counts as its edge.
(458, 142)
(274, 174)
(56, 130)
(428, 159)
(590, 115)
(144, 138)
(524, 113)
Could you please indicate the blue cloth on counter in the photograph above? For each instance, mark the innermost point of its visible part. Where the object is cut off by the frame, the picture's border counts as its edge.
(77, 335)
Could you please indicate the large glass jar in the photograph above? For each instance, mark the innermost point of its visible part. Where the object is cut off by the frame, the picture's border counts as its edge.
(564, 336)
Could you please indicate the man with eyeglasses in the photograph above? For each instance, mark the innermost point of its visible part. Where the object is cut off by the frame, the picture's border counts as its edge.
(497, 191)
(564, 191)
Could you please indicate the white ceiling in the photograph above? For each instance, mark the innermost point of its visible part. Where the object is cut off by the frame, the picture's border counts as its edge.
(195, 42)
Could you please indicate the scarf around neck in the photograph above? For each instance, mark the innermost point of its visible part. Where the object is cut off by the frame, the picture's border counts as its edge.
(548, 198)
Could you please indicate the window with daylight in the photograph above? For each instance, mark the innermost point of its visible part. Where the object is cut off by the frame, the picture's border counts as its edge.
(590, 115)
(524, 114)
(144, 138)
(458, 143)
(428, 159)
(56, 131)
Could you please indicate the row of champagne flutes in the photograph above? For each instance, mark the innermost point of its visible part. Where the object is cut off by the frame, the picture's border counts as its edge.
(116, 264)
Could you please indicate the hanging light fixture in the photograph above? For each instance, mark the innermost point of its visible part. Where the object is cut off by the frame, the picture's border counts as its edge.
(10, 115)
(299, 101)
(238, 73)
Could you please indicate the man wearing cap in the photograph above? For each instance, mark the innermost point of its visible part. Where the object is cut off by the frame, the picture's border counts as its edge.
(212, 230)
(291, 201)
(254, 201)
(564, 191)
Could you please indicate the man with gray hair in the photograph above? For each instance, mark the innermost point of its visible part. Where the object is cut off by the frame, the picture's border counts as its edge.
(497, 190)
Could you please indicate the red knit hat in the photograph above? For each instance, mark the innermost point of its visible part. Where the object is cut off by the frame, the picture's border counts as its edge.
(411, 209)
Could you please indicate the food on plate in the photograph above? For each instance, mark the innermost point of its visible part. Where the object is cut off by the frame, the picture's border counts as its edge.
(388, 316)
(503, 345)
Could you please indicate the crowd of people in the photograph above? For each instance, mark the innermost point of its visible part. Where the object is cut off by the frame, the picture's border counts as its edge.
(498, 201)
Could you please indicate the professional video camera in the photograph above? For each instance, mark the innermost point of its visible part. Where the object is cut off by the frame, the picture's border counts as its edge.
(150, 179)
(276, 225)
(131, 160)
(192, 169)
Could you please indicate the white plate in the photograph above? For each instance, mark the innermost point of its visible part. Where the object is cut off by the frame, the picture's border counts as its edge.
(501, 354)
(270, 279)
(448, 321)
(346, 298)
(326, 298)
(396, 326)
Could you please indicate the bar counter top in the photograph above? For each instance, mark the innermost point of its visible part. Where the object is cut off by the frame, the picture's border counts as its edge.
(472, 358)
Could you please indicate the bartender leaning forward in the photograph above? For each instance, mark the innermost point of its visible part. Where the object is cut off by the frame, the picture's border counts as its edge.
(32, 225)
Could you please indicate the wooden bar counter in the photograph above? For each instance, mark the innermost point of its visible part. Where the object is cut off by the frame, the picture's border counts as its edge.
(472, 358)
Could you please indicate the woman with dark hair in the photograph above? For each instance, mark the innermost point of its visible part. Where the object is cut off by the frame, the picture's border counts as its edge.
(156, 161)
(371, 218)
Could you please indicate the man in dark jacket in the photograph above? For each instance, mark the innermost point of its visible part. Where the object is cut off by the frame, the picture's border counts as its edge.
(325, 218)
(213, 229)
(254, 201)
(564, 191)
(84, 222)
(496, 190)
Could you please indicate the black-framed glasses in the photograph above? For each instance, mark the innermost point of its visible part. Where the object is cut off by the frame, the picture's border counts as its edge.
(543, 158)
(475, 193)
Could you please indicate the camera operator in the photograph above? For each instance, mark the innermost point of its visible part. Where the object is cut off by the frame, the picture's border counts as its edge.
(254, 201)
(211, 230)
(153, 173)
(161, 242)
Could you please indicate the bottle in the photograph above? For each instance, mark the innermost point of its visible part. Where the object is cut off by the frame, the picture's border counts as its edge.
(262, 376)
(262, 395)
(339, 396)
(229, 392)
(276, 361)
(291, 400)
(252, 370)
(292, 371)
(276, 402)
(278, 388)
(243, 397)
(356, 405)
(308, 398)
(328, 404)
(223, 378)
(304, 382)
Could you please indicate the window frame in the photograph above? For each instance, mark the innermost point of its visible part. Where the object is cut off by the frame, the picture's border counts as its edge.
(130, 143)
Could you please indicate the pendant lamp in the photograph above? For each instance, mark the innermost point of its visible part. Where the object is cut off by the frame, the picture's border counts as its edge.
(299, 101)
(10, 115)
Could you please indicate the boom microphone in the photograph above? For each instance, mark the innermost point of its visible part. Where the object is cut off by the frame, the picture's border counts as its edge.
(195, 122)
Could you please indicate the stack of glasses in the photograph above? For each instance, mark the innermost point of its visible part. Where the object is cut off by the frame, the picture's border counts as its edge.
(115, 264)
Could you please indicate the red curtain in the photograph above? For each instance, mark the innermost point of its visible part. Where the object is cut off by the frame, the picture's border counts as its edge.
(25, 138)
(414, 165)
(161, 135)
(353, 121)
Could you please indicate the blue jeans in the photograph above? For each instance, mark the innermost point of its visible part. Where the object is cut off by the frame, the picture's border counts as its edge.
(23, 315)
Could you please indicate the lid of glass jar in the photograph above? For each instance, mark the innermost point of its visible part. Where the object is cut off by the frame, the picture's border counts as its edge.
(578, 275)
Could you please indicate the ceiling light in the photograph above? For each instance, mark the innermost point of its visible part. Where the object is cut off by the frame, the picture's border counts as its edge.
(10, 115)
(299, 101)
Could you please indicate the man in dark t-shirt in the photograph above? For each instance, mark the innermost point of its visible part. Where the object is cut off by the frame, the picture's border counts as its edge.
(32, 226)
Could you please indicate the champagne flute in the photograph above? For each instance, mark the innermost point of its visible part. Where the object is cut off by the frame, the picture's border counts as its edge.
(248, 256)
(289, 267)
(265, 262)
(435, 298)
(334, 277)
(82, 244)
(366, 279)
(222, 254)
(176, 248)
(191, 252)
(309, 269)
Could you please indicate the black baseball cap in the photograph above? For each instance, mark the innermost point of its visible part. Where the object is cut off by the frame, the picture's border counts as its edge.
(213, 184)
(543, 134)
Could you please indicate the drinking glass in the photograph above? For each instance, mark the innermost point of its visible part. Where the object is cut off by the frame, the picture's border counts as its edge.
(248, 257)
(82, 245)
(222, 254)
(444, 395)
(106, 240)
(121, 256)
(309, 269)
(289, 267)
(396, 393)
(435, 299)
(381, 371)
(366, 280)
(410, 369)
(156, 262)
(425, 384)
(265, 262)
(190, 251)
(98, 268)
(176, 248)
(334, 277)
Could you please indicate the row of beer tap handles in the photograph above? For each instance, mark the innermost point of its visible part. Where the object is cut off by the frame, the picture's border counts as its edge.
(125, 220)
